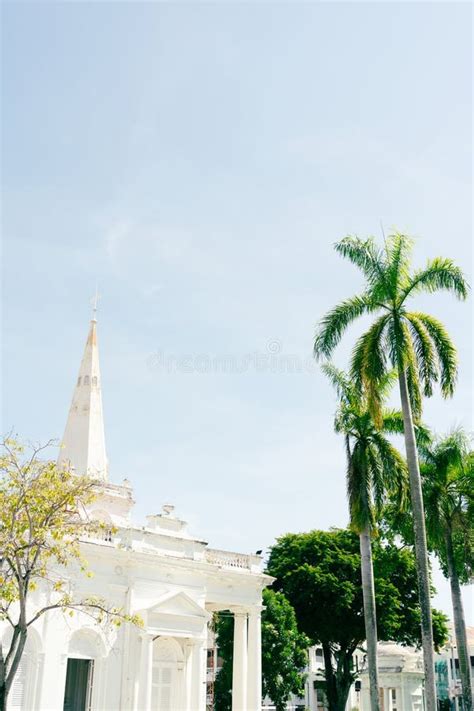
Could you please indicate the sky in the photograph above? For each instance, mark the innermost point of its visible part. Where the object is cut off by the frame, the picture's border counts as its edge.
(198, 161)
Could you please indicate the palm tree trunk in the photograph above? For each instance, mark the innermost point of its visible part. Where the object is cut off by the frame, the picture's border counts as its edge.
(370, 618)
(459, 626)
(421, 551)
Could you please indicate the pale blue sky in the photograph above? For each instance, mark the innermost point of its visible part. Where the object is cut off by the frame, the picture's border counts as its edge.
(199, 160)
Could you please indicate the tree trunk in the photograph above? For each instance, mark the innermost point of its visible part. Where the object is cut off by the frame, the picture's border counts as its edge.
(459, 626)
(3, 696)
(339, 680)
(15, 653)
(3, 702)
(420, 543)
(370, 617)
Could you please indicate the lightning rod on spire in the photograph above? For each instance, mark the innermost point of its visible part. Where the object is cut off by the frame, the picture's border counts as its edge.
(94, 302)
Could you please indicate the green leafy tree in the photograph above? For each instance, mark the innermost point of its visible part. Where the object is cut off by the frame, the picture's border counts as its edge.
(448, 489)
(375, 468)
(413, 342)
(42, 520)
(319, 573)
(284, 653)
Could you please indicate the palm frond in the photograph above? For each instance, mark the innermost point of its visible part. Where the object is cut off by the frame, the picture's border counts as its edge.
(335, 322)
(423, 435)
(365, 255)
(440, 274)
(411, 366)
(451, 450)
(398, 252)
(445, 350)
(358, 489)
(340, 421)
(387, 382)
(394, 465)
(369, 365)
(388, 473)
(376, 478)
(340, 381)
(392, 422)
(425, 353)
(448, 488)
(393, 344)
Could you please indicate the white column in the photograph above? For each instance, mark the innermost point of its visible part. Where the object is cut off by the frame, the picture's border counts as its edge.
(198, 701)
(180, 692)
(195, 675)
(239, 669)
(146, 670)
(254, 662)
(188, 674)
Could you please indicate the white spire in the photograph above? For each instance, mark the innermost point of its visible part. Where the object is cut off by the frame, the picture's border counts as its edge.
(83, 444)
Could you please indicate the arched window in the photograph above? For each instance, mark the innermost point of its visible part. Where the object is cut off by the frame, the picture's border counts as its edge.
(86, 380)
(79, 380)
(94, 380)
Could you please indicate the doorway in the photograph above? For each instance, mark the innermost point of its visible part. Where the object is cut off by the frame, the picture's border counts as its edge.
(78, 691)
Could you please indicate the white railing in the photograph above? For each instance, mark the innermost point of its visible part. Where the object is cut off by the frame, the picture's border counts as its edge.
(104, 535)
(227, 560)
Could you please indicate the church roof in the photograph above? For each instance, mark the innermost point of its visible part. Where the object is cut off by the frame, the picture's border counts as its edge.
(83, 443)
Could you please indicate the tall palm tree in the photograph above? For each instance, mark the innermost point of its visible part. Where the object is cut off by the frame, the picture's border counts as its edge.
(414, 343)
(374, 468)
(447, 469)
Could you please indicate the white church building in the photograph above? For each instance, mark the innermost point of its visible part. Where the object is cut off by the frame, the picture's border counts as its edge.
(159, 571)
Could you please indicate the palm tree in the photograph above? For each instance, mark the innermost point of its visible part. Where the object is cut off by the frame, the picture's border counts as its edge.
(374, 468)
(448, 488)
(414, 343)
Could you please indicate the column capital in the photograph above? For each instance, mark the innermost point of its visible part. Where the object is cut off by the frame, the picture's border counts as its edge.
(195, 641)
(147, 636)
(240, 613)
(246, 609)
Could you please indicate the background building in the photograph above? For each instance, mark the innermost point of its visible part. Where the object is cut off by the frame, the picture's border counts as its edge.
(448, 681)
(400, 680)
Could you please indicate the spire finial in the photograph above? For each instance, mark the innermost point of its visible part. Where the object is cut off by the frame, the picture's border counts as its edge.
(94, 302)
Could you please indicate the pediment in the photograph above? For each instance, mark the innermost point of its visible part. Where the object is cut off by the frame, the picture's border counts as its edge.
(177, 604)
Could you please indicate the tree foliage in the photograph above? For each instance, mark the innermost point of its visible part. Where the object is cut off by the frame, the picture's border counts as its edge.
(375, 468)
(42, 521)
(418, 346)
(399, 337)
(447, 470)
(375, 471)
(284, 653)
(319, 573)
(448, 490)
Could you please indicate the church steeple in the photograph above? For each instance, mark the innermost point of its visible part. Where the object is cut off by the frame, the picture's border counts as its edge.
(83, 443)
